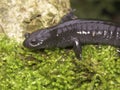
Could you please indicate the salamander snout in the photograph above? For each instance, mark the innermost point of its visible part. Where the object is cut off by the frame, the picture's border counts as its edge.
(27, 35)
(30, 42)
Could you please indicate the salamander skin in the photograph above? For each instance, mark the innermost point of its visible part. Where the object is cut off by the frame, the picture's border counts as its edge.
(74, 33)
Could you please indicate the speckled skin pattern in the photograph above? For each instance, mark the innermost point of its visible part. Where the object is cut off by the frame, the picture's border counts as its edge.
(74, 33)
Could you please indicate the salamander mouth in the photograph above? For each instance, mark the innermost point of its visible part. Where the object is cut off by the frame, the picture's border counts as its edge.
(34, 45)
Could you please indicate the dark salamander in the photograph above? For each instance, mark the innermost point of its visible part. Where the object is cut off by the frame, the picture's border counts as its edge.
(74, 32)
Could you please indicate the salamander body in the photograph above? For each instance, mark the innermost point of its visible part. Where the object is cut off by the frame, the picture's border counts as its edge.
(75, 33)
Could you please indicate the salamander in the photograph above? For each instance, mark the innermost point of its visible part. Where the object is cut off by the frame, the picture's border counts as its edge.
(74, 32)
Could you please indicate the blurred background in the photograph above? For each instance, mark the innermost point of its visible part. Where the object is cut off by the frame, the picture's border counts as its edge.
(97, 9)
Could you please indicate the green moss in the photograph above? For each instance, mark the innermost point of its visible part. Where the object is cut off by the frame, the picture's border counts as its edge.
(22, 69)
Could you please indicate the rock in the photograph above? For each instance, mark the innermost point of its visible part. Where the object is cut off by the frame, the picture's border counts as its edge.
(20, 16)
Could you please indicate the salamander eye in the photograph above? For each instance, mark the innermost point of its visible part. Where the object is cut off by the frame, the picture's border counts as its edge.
(34, 42)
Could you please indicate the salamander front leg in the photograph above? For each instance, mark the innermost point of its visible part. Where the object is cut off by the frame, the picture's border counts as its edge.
(77, 49)
(118, 51)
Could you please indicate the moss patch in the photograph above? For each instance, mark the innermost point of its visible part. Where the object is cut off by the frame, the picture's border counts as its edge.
(22, 69)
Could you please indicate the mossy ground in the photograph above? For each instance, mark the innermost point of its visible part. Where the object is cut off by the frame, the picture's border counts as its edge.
(56, 69)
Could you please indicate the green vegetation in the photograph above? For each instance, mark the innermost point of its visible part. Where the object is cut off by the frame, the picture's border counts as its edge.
(55, 69)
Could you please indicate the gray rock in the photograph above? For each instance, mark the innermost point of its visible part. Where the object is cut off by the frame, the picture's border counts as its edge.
(20, 16)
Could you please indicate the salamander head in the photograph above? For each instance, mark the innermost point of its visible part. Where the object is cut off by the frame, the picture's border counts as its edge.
(36, 40)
